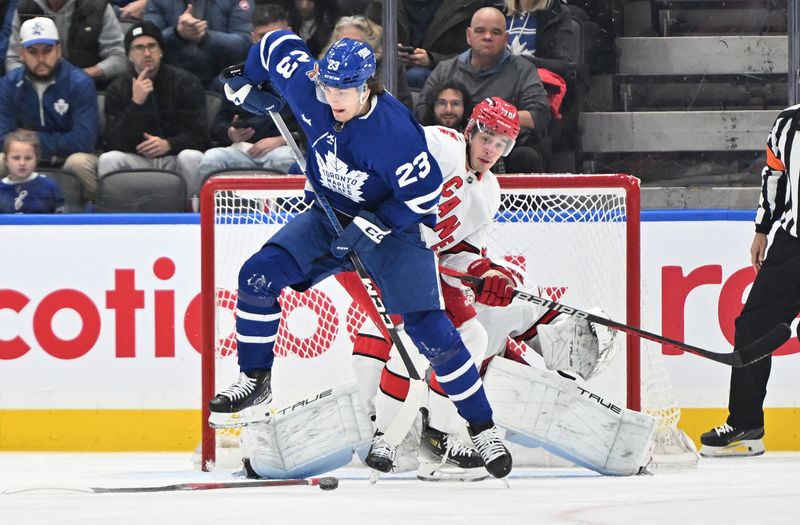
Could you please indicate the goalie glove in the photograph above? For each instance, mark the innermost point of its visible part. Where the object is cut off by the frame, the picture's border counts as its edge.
(572, 344)
(363, 234)
(497, 288)
(257, 101)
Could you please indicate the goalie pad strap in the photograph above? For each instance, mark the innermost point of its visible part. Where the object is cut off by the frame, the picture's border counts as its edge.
(372, 346)
(539, 409)
(394, 385)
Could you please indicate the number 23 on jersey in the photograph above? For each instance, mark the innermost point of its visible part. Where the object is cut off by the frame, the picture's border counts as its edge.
(409, 172)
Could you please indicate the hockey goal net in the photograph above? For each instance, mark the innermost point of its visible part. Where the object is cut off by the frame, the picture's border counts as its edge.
(576, 237)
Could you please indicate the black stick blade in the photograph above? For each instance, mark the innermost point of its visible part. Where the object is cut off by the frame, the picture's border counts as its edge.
(764, 346)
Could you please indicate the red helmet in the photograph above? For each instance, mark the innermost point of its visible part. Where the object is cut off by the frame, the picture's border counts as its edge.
(496, 115)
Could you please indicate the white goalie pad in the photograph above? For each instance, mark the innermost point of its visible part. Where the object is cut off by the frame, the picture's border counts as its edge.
(572, 344)
(310, 436)
(539, 409)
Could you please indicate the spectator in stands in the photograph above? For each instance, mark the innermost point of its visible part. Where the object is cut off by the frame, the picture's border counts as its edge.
(91, 35)
(251, 141)
(203, 37)
(541, 31)
(54, 98)
(129, 9)
(8, 9)
(488, 69)
(362, 29)
(447, 104)
(23, 190)
(313, 21)
(435, 29)
(269, 16)
(156, 113)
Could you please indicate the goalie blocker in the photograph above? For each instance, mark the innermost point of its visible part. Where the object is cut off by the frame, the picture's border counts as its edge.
(539, 409)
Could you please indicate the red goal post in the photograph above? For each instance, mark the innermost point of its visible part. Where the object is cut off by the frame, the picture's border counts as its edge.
(577, 236)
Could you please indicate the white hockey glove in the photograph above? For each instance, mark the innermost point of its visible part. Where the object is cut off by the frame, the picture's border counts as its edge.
(363, 234)
(241, 92)
(575, 345)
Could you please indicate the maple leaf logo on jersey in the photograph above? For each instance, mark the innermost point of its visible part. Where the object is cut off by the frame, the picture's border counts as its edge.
(334, 175)
(517, 47)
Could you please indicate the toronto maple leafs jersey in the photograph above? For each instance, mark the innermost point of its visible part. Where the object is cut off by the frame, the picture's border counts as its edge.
(377, 162)
(36, 194)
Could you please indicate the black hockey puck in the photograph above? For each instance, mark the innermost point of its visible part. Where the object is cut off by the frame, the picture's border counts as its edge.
(328, 483)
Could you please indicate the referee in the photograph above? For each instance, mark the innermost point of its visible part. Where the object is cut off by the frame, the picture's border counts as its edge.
(775, 295)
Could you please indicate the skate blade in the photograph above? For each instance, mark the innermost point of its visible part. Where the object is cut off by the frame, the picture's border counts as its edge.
(254, 414)
(737, 449)
(446, 472)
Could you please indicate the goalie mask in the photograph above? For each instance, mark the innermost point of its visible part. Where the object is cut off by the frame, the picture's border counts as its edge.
(495, 115)
(347, 64)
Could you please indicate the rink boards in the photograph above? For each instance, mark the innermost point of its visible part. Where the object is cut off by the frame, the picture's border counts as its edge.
(100, 321)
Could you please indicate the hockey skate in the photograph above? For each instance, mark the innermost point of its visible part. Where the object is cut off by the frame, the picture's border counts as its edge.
(486, 439)
(445, 458)
(728, 441)
(244, 402)
(381, 454)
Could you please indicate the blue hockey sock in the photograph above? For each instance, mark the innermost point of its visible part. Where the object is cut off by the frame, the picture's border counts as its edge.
(460, 379)
(256, 331)
(439, 341)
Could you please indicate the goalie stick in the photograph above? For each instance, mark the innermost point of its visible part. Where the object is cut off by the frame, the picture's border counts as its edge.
(418, 389)
(325, 483)
(751, 353)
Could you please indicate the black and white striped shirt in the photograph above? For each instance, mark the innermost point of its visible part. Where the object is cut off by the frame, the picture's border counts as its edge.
(780, 178)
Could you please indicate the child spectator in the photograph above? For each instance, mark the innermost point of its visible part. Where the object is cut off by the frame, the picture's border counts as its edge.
(23, 190)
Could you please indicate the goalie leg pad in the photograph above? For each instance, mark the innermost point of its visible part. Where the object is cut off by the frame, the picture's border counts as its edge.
(539, 409)
(309, 437)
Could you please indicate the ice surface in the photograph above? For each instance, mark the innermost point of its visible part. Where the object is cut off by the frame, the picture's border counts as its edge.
(752, 491)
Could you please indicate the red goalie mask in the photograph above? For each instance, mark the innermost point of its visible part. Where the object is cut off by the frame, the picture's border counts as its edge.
(497, 116)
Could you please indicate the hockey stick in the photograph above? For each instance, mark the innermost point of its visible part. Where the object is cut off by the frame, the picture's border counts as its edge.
(325, 483)
(418, 389)
(751, 353)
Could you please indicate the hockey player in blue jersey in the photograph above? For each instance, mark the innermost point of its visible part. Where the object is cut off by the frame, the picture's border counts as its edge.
(369, 157)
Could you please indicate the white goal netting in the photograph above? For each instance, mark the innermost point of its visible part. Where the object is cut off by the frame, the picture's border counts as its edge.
(575, 236)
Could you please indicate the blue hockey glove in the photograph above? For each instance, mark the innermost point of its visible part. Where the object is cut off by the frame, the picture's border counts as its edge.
(242, 93)
(364, 233)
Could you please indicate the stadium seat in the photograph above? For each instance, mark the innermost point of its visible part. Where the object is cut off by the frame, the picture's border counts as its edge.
(70, 186)
(213, 103)
(101, 114)
(148, 190)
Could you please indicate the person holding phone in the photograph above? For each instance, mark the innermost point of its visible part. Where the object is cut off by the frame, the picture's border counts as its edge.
(429, 32)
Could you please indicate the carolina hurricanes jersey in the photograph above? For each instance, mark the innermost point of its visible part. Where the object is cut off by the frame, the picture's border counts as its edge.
(468, 203)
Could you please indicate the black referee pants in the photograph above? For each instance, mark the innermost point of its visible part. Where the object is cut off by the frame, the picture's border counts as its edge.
(774, 298)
